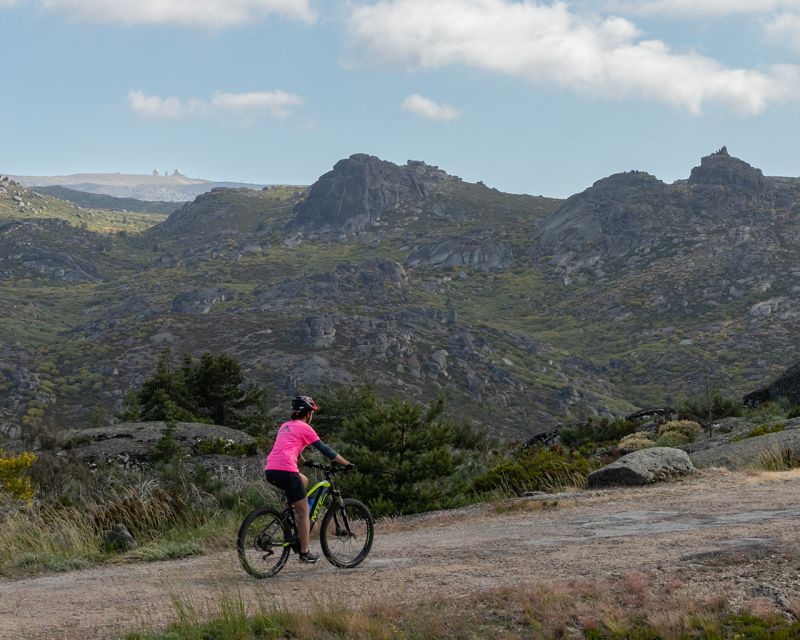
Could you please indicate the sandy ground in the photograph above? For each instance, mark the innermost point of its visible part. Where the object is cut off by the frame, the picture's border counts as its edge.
(735, 534)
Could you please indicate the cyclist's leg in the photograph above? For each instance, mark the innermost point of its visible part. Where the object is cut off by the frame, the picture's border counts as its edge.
(294, 486)
(303, 523)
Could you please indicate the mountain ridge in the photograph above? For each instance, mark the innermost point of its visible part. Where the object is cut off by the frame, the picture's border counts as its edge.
(149, 187)
(525, 311)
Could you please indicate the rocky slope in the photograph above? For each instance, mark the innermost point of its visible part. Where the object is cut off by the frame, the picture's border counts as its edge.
(525, 310)
(700, 276)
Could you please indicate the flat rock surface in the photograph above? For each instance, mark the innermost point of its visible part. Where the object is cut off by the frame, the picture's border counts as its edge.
(729, 446)
(716, 532)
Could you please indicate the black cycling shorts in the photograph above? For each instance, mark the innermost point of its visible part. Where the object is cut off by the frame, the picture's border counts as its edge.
(289, 482)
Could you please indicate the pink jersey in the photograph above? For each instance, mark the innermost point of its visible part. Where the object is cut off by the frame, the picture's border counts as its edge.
(293, 437)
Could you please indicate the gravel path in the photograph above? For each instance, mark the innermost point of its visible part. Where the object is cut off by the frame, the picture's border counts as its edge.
(718, 532)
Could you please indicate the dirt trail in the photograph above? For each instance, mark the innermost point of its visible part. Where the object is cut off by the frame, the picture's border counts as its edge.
(735, 533)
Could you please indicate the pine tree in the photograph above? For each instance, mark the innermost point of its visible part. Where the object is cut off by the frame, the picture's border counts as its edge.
(405, 455)
(215, 385)
(165, 386)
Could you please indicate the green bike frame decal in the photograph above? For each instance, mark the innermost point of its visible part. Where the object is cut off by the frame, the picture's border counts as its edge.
(319, 485)
(321, 490)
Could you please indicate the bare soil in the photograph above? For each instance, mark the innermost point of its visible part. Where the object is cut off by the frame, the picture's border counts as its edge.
(719, 533)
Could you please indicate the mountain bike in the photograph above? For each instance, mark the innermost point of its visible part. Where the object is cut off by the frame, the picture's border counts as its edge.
(267, 537)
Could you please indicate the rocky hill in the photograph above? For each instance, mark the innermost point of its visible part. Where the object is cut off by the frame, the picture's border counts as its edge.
(174, 187)
(109, 203)
(18, 202)
(526, 311)
(700, 276)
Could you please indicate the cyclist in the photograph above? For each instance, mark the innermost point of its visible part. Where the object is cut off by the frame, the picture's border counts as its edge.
(281, 468)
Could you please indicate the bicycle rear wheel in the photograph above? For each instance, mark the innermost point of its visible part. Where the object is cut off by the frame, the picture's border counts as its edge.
(264, 542)
(347, 533)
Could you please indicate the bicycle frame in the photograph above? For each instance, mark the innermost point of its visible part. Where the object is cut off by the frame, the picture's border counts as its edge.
(316, 497)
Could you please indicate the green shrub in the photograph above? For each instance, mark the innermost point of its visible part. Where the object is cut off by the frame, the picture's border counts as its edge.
(764, 429)
(536, 470)
(671, 439)
(220, 446)
(794, 412)
(595, 433)
(714, 407)
(167, 449)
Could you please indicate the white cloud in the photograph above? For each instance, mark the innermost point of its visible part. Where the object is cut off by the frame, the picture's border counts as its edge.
(275, 103)
(430, 109)
(158, 107)
(786, 28)
(8, 3)
(695, 8)
(549, 44)
(214, 14)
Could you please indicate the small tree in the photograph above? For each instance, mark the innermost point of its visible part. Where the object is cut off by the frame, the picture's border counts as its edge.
(340, 406)
(167, 450)
(405, 454)
(165, 392)
(209, 390)
(215, 386)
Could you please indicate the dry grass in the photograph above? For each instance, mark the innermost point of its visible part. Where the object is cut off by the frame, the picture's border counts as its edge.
(775, 458)
(36, 536)
(637, 605)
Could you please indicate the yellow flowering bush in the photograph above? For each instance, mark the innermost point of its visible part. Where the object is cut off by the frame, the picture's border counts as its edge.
(638, 440)
(14, 474)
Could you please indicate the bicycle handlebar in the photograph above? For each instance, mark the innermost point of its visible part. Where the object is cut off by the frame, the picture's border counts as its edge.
(328, 468)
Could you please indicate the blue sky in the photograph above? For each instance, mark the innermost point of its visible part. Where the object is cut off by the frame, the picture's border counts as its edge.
(535, 97)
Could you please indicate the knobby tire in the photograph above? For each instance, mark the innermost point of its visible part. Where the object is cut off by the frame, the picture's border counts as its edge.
(347, 533)
(261, 542)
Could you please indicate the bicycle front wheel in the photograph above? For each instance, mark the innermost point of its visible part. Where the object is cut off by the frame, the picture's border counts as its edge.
(264, 542)
(347, 533)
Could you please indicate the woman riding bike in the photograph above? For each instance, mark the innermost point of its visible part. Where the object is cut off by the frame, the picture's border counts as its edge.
(281, 468)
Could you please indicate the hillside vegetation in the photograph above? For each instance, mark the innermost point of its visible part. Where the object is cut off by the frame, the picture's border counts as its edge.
(524, 311)
(109, 203)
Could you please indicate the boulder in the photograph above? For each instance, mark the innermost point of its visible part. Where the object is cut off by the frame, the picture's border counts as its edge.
(458, 252)
(130, 443)
(359, 189)
(646, 466)
(742, 452)
(373, 280)
(722, 169)
(786, 387)
(318, 332)
(119, 539)
(612, 217)
(200, 301)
